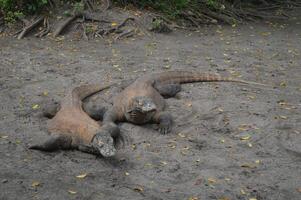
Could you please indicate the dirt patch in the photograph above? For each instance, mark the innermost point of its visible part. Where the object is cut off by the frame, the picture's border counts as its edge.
(230, 141)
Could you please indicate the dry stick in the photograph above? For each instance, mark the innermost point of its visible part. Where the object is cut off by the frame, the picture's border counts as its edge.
(109, 4)
(64, 24)
(46, 29)
(128, 33)
(30, 27)
(89, 5)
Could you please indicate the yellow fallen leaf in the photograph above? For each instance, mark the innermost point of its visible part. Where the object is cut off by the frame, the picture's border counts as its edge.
(224, 198)
(148, 165)
(244, 127)
(222, 141)
(45, 93)
(247, 137)
(138, 189)
(163, 162)
(134, 146)
(242, 192)
(186, 148)
(251, 97)
(113, 24)
(72, 191)
(35, 106)
(127, 174)
(35, 184)
(283, 117)
(283, 84)
(252, 199)
(181, 135)
(257, 161)
(211, 180)
(250, 145)
(246, 165)
(266, 33)
(4, 136)
(171, 145)
(82, 175)
(184, 152)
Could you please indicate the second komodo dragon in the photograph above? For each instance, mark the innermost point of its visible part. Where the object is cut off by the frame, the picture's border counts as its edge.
(143, 101)
(72, 128)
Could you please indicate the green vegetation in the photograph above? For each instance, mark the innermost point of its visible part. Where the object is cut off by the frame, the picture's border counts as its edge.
(222, 10)
(12, 9)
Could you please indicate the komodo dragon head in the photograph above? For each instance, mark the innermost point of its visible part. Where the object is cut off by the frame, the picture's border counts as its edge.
(140, 109)
(104, 144)
(103, 141)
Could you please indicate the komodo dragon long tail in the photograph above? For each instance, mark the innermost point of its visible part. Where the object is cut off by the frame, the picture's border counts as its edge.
(179, 76)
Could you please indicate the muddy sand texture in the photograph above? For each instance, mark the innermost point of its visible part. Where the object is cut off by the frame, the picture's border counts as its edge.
(229, 141)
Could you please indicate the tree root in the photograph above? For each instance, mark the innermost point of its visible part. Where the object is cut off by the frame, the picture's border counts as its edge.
(30, 27)
(64, 24)
(117, 28)
(125, 34)
(45, 30)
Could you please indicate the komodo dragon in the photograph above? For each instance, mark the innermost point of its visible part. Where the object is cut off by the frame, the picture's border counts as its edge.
(143, 101)
(72, 128)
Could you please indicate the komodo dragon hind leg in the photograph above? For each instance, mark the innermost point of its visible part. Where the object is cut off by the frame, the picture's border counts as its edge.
(55, 142)
(169, 90)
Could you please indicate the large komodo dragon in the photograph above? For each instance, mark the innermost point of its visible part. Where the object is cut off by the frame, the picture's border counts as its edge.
(72, 128)
(143, 101)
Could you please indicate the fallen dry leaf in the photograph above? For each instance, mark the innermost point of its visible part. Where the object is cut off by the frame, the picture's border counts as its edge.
(181, 135)
(246, 137)
(35, 184)
(242, 191)
(283, 117)
(247, 165)
(72, 191)
(211, 180)
(138, 189)
(35, 106)
(82, 175)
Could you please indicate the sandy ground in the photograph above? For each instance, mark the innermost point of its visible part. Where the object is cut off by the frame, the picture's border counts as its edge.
(229, 141)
